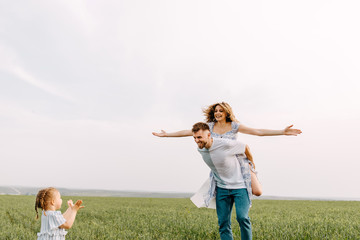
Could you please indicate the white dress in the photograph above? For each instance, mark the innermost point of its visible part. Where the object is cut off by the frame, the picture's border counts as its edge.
(50, 226)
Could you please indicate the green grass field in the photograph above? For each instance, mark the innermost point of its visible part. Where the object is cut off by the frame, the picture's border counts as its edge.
(161, 218)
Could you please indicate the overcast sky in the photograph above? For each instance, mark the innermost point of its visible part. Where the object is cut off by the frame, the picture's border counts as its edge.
(84, 83)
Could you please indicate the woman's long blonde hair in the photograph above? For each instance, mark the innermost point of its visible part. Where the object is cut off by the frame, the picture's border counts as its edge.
(210, 110)
(230, 117)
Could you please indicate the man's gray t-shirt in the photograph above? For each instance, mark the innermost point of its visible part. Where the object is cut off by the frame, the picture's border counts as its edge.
(220, 157)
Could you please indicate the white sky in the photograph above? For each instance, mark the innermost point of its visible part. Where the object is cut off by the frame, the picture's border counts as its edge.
(84, 83)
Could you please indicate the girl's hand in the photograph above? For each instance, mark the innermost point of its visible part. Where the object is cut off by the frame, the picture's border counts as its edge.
(75, 206)
(78, 205)
(70, 203)
(160, 134)
(290, 131)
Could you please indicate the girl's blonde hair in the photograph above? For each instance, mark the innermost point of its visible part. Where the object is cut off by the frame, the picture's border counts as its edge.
(43, 199)
(230, 117)
(210, 110)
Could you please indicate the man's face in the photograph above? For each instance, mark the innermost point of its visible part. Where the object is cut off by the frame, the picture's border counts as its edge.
(202, 138)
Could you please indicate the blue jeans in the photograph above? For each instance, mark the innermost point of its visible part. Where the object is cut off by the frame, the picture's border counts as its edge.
(225, 199)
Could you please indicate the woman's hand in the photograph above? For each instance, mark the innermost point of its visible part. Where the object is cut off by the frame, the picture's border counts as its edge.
(160, 134)
(291, 131)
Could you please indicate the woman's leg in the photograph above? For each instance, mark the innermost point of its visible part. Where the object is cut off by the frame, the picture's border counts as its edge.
(255, 184)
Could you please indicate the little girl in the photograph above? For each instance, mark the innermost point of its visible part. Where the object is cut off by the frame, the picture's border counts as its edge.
(53, 223)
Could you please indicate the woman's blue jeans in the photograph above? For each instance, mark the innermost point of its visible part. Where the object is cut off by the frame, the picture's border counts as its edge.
(225, 199)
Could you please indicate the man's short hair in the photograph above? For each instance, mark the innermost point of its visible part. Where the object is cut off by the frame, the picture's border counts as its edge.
(200, 126)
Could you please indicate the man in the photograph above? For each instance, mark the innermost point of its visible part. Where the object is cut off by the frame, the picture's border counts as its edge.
(219, 155)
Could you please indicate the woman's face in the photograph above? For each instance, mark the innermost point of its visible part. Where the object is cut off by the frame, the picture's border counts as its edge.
(219, 113)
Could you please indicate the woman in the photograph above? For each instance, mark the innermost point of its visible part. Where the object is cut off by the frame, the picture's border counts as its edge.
(223, 124)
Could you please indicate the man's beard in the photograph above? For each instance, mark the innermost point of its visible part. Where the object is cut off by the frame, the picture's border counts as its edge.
(201, 145)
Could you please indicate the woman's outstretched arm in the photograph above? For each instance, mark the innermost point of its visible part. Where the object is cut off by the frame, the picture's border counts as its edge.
(268, 132)
(182, 133)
